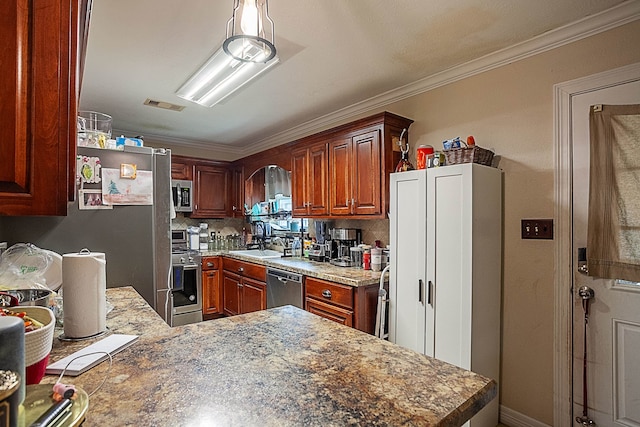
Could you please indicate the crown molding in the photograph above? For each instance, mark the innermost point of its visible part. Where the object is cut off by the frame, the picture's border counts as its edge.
(213, 148)
(616, 16)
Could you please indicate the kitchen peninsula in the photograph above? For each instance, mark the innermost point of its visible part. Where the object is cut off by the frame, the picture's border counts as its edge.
(281, 367)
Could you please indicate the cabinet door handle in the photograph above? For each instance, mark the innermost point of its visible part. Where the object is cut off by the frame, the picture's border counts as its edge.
(429, 292)
(210, 274)
(420, 290)
(209, 264)
(326, 293)
(239, 285)
(240, 269)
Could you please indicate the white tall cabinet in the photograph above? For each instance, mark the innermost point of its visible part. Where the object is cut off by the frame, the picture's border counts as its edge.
(446, 262)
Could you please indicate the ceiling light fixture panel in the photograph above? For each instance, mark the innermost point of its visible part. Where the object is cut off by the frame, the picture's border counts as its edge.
(219, 77)
(247, 52)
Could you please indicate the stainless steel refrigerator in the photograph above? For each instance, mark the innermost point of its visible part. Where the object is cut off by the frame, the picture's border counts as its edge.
(136, 239)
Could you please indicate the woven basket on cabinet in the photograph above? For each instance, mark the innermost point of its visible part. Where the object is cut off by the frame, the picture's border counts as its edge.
(472, 154)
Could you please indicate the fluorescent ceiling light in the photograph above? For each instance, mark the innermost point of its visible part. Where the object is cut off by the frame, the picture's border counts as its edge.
(221, 76)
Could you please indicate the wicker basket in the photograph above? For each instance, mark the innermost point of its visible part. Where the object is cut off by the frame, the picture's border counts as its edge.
(38, 343)
(472, 154)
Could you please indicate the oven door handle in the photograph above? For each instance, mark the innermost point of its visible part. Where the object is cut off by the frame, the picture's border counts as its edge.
(190, 267)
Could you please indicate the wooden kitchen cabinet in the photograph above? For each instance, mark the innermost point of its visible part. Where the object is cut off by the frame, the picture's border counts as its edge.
(211, 287)
(181, 168)
(253, 296)
(244, 287)
(236, 195)
(211, 191)
(330, 300)
(355, 174)
(329, 311)
(231, 283)
(351, 306)
(362, 154)
(38, 89)
(309, 181)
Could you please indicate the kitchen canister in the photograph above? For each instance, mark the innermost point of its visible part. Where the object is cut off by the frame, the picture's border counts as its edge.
(376, 259)
(84, 286)
(12, 349)
(9, 404)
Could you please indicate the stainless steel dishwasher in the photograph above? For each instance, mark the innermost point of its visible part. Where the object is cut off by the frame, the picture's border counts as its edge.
(283, 288)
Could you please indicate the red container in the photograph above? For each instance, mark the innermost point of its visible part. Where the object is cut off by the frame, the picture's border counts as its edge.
(423, 152)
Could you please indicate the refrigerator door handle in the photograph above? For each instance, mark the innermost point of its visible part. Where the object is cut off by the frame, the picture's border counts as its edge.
(420, 291)
(429, 292)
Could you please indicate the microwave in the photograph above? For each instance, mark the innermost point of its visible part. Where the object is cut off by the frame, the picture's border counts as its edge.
(182, 192)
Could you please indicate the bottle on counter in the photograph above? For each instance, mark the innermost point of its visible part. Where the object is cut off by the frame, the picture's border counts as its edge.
(366, 259)
(296, 248)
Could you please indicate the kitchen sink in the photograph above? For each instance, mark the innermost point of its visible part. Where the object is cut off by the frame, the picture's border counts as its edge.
(257, 253)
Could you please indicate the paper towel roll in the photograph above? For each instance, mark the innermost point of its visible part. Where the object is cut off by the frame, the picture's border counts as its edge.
(84, 285)
(12, 349)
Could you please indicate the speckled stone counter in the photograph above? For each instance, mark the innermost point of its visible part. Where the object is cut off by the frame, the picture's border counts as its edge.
(321, 270)
(279, 367)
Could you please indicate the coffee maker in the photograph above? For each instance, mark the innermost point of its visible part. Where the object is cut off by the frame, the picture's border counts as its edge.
(342, 240)
(321, 249)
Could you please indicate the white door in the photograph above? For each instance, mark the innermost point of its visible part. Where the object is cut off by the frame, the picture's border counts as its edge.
(613, 331)
(407, 309)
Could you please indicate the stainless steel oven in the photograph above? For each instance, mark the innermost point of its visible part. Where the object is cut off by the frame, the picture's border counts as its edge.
(186, 282)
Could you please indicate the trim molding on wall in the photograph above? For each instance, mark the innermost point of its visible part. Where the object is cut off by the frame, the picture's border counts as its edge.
(516, 419)
(563, 280)
(624, 13)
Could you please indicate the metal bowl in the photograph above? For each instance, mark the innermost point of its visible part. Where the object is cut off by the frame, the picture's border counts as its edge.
(29, 297)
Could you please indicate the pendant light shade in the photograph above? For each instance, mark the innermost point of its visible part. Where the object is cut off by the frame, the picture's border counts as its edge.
(250, 32)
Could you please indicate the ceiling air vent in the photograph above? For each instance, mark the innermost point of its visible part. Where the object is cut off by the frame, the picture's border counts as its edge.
(163, 105)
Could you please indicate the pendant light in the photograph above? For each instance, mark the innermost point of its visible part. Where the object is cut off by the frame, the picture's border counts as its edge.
(250, 32)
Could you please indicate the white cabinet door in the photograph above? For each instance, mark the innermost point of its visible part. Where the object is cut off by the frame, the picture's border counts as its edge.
(448, 266)
(407, 232)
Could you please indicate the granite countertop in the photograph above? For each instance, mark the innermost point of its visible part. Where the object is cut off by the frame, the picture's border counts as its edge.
(278, 367)
(350, 276)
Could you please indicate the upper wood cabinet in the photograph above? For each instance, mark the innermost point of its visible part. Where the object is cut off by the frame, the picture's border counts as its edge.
(213, 189)
(356, 174)
(181, 168)
(236, 195)
(309, 181)
(211, 192)
(361, 157)
(38, 89)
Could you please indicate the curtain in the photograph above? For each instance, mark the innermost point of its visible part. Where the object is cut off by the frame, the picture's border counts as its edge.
(613, 229)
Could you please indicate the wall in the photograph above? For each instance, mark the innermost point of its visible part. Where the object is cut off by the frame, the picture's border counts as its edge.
(510, 109)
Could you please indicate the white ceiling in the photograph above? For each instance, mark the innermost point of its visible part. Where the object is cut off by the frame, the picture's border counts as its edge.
(334, 54)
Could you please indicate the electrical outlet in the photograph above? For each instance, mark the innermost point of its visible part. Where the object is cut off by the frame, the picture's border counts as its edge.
(537, 229)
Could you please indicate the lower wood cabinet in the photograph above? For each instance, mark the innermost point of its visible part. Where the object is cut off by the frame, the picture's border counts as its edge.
(211, 287)
(329, 311)
(348, 305)
(243, 287)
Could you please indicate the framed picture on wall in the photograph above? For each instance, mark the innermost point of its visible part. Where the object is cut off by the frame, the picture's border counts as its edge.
(91, 199)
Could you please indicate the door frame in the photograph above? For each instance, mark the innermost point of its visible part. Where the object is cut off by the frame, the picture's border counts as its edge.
(563, 250)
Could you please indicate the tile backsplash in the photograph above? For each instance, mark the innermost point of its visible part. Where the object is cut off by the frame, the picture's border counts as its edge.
(372, 229)
(224, 226)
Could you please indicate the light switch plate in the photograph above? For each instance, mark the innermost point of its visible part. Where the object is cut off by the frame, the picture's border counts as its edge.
(537, 229)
